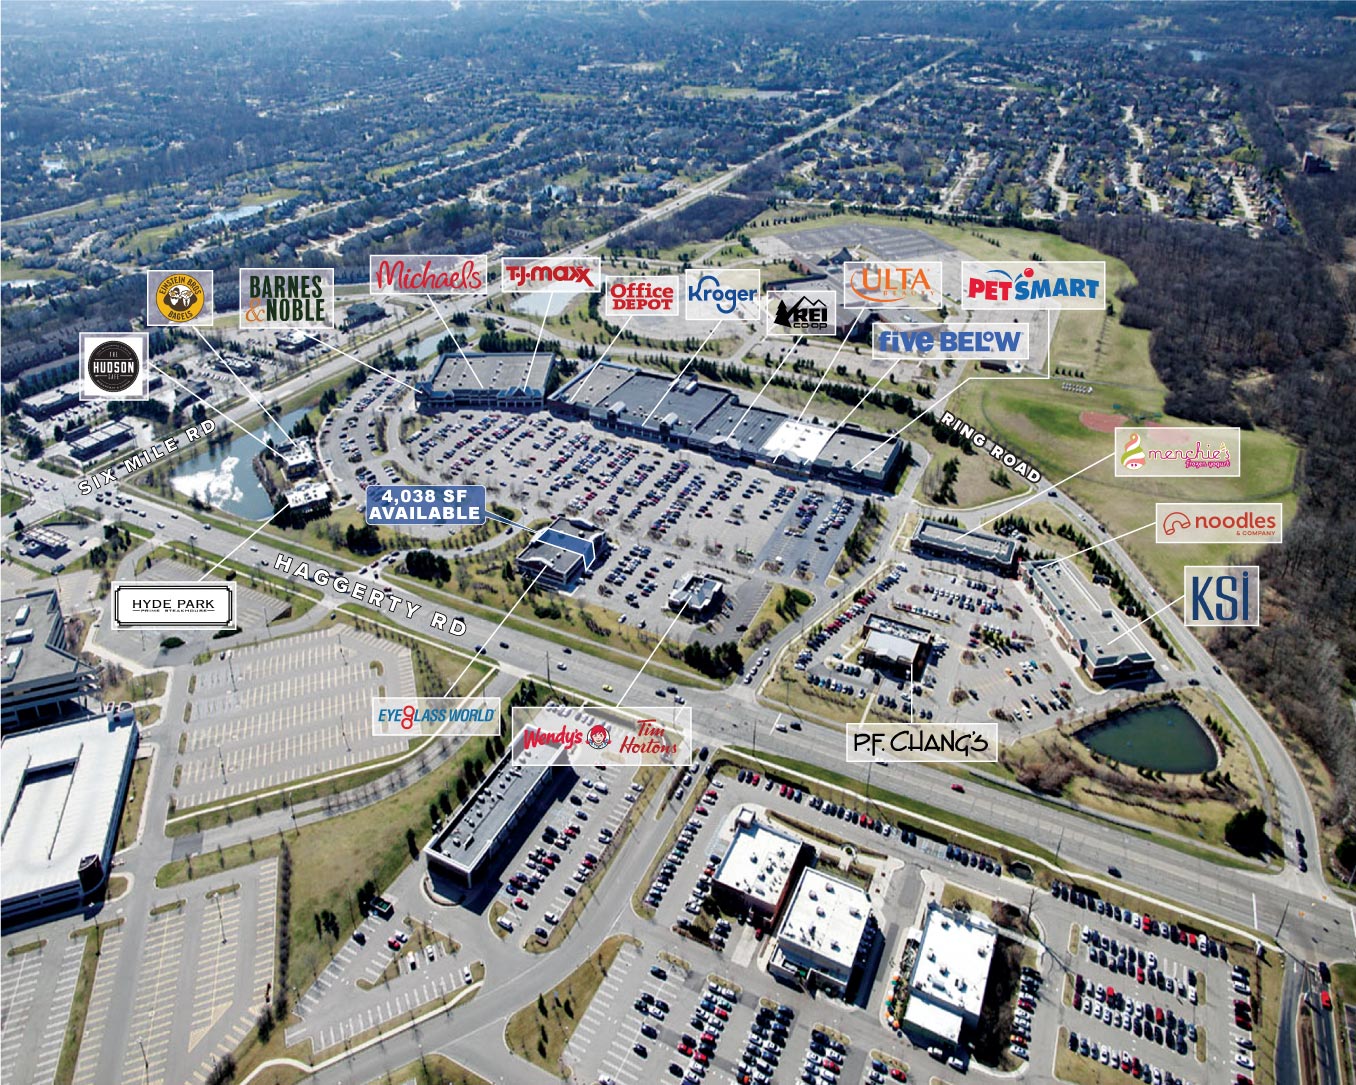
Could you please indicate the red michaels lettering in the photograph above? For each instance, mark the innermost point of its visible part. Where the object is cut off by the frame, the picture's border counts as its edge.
(425, 280)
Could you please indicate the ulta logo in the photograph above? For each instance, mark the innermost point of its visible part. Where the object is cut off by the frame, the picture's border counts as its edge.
(1132, 456)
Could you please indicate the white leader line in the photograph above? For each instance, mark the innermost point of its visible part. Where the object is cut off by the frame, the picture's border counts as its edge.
(169, 377)
(346, 354)
(1034, 496)
(686, 365)
(1094, 546)
(248, 391)
(823, 376)
(651, 655)
(221, 561)
(455, 341)
(1155, 614)
(498, 627)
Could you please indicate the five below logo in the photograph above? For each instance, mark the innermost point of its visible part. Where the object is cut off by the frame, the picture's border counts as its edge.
(1025, 286)
(1217, 595)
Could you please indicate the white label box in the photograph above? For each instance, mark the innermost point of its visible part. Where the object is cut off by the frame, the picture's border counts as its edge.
(173, 605)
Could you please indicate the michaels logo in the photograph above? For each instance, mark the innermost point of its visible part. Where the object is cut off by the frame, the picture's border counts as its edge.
(574, 275)
(719, 293)
(1020, 285)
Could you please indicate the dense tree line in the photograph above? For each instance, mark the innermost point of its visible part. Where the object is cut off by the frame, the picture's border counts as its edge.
(1223, 311)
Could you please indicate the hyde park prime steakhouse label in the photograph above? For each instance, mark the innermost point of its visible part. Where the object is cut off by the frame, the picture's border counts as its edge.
(300, 299)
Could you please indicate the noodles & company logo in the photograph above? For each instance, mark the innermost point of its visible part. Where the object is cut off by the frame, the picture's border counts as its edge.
(113, 366)
(178, 298)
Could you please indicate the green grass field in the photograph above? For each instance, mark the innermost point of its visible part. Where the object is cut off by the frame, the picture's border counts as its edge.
(1042, 420)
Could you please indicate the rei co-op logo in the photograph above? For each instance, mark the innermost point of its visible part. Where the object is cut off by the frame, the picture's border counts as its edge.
(721, 293)
(176, 299)
(1215, 595)
(457, 717)
(1015, 284)
(1218, 522)
(113, 366)
(812, 313)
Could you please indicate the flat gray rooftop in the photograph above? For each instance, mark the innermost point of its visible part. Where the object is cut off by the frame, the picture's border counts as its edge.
(488, 371)
(61, 790)
(37, 660)
(478, 824)
(975, 544)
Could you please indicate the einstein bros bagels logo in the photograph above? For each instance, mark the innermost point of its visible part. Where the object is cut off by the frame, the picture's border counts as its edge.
(177, 299)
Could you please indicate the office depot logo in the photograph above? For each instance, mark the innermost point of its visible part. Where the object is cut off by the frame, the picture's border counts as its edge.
(599, 736)
(721, 293)
(1177, 451)
(641, 296)
(881, 285)
(411, 274)
(1218, 522)
(1016, 284)
(564, 275)
(459, 717)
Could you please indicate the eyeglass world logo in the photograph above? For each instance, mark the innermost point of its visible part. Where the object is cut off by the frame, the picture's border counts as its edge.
(458, 717)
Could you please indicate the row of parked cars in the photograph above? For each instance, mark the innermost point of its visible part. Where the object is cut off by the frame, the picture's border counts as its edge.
(965, 857)
(1083, 898)
(1157, 1024)
(1142, 967)
(1019, 1043)
(1123, 1061)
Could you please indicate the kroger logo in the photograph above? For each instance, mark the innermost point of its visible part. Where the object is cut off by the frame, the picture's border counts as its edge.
(719, 294)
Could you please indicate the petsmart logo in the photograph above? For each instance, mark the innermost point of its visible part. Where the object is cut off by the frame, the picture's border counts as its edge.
(1020, 285)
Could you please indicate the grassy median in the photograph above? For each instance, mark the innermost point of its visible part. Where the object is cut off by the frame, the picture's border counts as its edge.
(540, 1031)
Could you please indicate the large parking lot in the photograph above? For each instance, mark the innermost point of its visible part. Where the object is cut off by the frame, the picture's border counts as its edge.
(1159, 999)
(562, 853)
(286, 710)
(666, 511)
(990, 653)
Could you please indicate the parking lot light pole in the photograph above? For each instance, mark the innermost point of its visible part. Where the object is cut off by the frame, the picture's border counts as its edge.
(221, 919)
